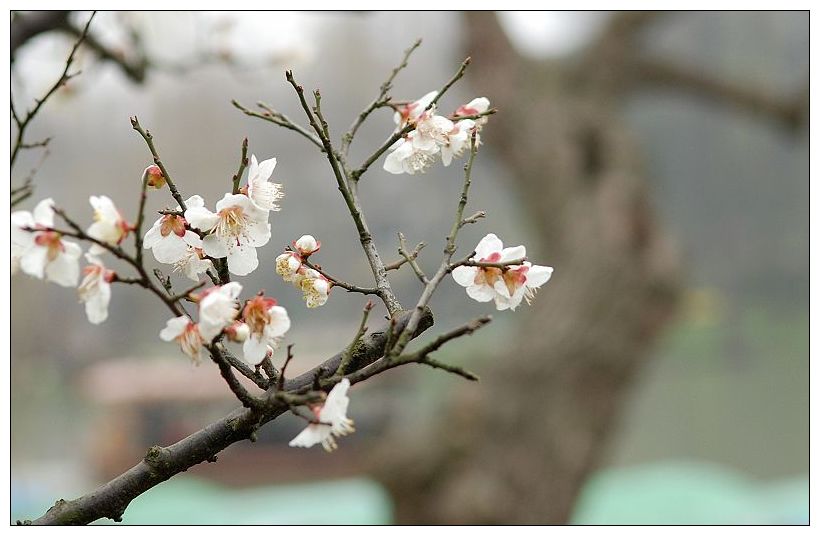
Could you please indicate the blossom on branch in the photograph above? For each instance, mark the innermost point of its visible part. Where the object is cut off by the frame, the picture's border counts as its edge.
(41, 252)
(267, 323)
(506, 285)
(306, 246)
(314, 286)
(95, 289)
(288, 265)
(153, 177)
(408, 113)
(458, 140)
(474, 107)
(217, 309)
(193, 263)
(235, 231)
(109, 226)
(169, 240)
(331, 420)
(263, 193)
(410, 157)
(182, 330)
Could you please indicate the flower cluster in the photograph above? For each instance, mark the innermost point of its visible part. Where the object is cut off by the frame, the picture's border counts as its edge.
(290, 265)
(259, 324)
(196, 240)
(40, 251)
(433, 135)
(506, 284)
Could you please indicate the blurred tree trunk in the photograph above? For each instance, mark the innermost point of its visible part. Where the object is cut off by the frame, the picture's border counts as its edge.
(519, 449)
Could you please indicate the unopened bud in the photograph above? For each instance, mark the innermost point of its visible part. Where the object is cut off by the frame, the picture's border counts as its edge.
(307, 245)
(237, 332)
(154, 177)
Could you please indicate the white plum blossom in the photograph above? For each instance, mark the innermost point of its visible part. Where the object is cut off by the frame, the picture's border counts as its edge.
(235, 231)
(458, 140)
(40, 252)
(182, 330)
(306, 245)
(267, 322)
(408, 113)
(506, 286)
(409, 157)
(95, 289)
(431, 131)
(218, 309)
(474, 107)
(314, 286)
(169, 240)
(193, 263)
(331, 420)
(263, 193)
(109, 226)
(288, 265)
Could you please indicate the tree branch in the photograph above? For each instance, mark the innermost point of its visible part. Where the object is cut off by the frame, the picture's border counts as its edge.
(382, 100)
(162, 463)
(23, 123)
(792, 112)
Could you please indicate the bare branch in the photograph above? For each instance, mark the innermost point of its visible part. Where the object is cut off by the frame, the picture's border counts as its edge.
(338, 282)
(409, 257)
(243, 163)
(385, 292)
(23, 123)
(149, 140)
(279, 119)
(382, 100)
(790, 112)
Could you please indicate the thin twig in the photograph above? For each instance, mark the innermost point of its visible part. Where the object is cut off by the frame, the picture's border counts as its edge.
(382, 100)
(23, 123)
(149, 140)
(243, 162)
(347, 357)
(409, 257)
(338, 282)
(279, 119)
(384, 291)
(226, 370)
(280, 381)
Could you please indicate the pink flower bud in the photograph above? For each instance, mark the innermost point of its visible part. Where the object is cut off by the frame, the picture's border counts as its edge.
(153, 177)
(307, 245)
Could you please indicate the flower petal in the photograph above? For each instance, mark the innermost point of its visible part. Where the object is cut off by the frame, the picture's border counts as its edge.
(215, 247)
(512, 254)
(44, 213)
(280, 322)
(465, 275)
(174, 328)
(538, 275)
(481, 293)
(488, 245)
(170, 249)
(201, 218)
(242, 260)
(254, 348)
